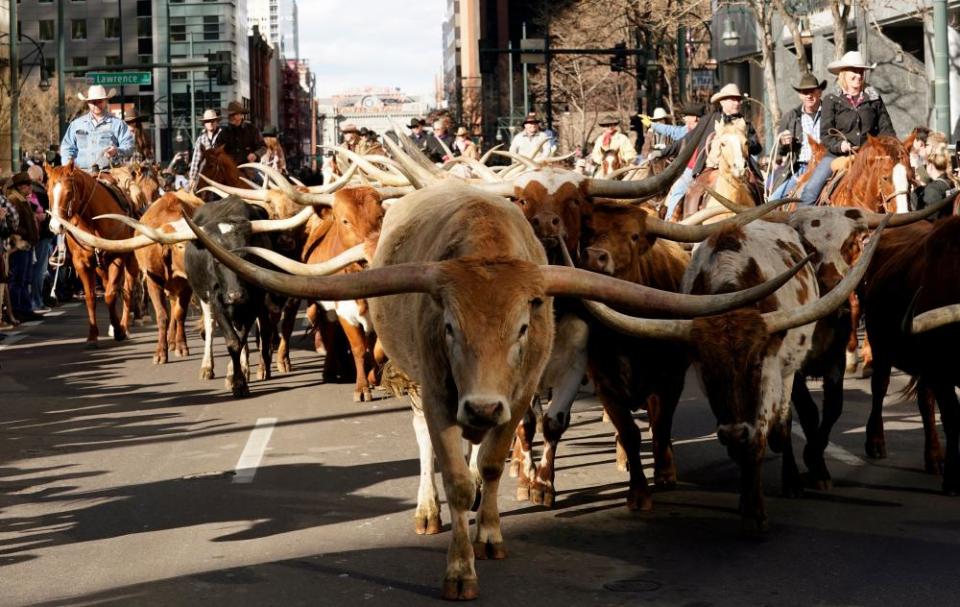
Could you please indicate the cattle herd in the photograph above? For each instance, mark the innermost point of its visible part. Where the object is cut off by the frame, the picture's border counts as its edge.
(488, 300)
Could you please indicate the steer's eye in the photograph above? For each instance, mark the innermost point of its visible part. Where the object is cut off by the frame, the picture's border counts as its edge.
(448, 329)
(634, 237)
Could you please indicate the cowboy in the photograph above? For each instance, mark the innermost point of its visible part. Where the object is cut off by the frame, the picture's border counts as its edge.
(241, 139)
(692, 113)
(97, 137)
(464, 146)
(797, 127)
(420, 137)
(143, 148)
(849, 115)
(530, 141)
(208, 139)
(612, 140)
(659, 140)
(351, 141)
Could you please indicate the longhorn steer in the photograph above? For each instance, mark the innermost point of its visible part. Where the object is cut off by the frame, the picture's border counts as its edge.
(469, 318)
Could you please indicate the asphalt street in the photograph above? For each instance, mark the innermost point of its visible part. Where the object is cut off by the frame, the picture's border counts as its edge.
(127, 483)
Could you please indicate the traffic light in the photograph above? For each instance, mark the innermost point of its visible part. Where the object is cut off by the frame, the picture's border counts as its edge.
(618, 63)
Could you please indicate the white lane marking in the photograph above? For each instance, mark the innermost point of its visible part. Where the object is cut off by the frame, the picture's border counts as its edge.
(11, 339)
(246, 467)
(54, 313)
(836, 452)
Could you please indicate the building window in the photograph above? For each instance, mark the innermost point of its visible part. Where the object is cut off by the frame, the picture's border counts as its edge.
(211, 27)
(144, 27)
(178, 29)
(78, 28)
(47, 31)
(111, 28)
(80, 61)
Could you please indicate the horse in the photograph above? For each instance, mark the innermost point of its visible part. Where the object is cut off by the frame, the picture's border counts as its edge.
(878, 179)
(218, 166)
(77, 197)
(728, 171)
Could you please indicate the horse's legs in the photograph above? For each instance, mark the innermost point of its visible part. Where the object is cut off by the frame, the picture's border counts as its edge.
(89, 279)
(111, 281)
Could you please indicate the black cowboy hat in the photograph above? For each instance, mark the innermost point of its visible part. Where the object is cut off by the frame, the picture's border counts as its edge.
(235, 107)
(269, 131)
(531, 119)
(693, 109)
(416, 123)
(808, 82)
(611, 121)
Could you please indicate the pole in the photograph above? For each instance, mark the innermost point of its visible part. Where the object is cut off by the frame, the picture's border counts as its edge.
(682, 61)
(192, 92)
(941, 65)
(61, 59)
(14, 89)
(510, 82)
(123, 98)
(546, 60)
(526, 94)
(169, 87)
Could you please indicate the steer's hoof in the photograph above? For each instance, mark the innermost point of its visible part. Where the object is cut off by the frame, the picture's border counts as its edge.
(489, 550)
(363, 396)
(160, 358)
(427, 523)
(822, 484)
(283, 366)
(933, 463)
(876, 449)
(461, 589)
(666, 479)
(240, 389)
(206, 373)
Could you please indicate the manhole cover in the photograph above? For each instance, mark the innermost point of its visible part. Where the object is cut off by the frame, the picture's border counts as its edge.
(634, 585)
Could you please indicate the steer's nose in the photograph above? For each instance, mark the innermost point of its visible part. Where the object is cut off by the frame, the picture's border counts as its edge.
(484, 412)
(233, 297)
(598, 260)
(546, 224)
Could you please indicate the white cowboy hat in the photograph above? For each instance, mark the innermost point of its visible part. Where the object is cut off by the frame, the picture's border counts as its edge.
(209, 115)
(96, 92)
(658, 114)
(852, 60)
(728, 91)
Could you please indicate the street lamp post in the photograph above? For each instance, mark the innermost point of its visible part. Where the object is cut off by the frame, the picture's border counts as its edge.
(16, 84)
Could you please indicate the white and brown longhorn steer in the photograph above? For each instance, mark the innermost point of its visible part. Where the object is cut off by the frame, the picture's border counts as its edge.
(468, 316)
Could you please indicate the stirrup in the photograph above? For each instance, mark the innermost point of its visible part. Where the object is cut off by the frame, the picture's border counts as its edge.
(59, 256)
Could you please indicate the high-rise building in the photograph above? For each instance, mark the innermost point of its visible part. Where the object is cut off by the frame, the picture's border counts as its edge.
(278, 20)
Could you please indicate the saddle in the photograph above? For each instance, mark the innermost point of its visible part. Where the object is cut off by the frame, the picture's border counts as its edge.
(697, 197)
(839, 167)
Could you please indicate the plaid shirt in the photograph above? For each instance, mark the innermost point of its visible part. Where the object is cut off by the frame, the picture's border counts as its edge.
(811, 126)
(203, 142)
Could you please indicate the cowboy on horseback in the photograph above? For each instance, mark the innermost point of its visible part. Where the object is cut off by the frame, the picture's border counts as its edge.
(612, 140)
(207, 139)
(848, 116)
(97, 137)
(797, 127)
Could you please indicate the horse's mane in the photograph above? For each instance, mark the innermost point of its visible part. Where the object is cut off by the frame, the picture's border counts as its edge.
(876, 148)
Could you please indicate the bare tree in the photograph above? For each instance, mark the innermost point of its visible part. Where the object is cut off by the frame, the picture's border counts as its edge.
(790, 20)
(840, 9)
(764, 12)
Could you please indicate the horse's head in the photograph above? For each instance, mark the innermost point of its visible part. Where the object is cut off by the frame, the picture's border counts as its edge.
(220, 167)
(610, 163)
(729, 147)
(64, 185)
(882, 167)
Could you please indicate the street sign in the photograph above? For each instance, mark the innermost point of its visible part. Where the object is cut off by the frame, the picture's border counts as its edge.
(119, 78)
(702, 80)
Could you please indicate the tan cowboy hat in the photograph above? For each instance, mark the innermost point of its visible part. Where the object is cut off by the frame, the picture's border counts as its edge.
(348, 127)
(133, 116)
(658, 114)
(729, 91)
(462, 131)
(210, 115)
(852, 60)
(809, 82)
(96, 92)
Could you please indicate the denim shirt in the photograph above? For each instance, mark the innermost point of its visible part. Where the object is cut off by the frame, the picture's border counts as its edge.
(86, 142)
(673, 131)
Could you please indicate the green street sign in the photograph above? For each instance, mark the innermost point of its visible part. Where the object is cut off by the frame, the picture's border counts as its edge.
(119, 78)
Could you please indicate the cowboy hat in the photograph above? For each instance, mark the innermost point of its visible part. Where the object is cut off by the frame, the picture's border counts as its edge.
(416, 123)
(133, 116)
(612, 121)
(349, 127)
(96, 92)
(658, 114)
(20, 179)
(729, 91)
(462, 130)
(531, 119)
(210, 115)
(693, 109)
(235, 107)
(852, 60)
(809, 82)
(269, 131)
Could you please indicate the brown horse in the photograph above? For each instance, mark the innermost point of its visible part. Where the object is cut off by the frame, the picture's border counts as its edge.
(218, 166)
(76, 197)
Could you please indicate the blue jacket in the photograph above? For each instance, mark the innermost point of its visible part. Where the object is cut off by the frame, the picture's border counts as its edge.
(85, 143)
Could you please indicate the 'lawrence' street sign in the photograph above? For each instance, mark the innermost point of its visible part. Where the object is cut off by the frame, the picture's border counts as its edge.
(119, 78)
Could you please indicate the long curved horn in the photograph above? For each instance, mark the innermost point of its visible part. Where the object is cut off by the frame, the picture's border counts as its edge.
(574, 282)
(483, 171)
(418, 177)
(527, 162)
(563, 158)
(400, 278)
(295, 195)
(261, 226)
(253, 186)
(260, 195)
(656, 183)
(179, 234)
(415, 154)
(295, 181)
(702, 215)
(935, 318)
(902, 219)
(729, 204)
(370, 169)
(105, 244)
(696, 233)
(488, 153)
(213, 189)
(339, 183)
(624, 171)
(783, 320)
(330, 266)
